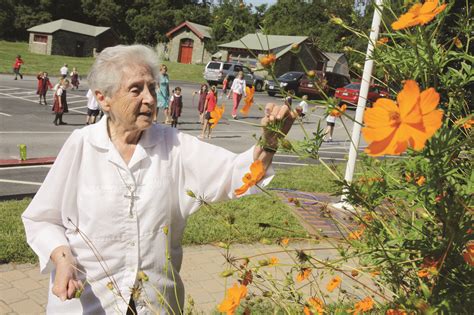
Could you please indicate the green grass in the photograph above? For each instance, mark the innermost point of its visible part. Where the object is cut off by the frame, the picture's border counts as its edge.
(206, 225)
(211, 225)
(35, 63)
(13, 246)
(312, 178)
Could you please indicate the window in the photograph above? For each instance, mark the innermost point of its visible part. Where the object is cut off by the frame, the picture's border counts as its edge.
(214, 65)
(40, 38)
(237, 68)
(246, 70)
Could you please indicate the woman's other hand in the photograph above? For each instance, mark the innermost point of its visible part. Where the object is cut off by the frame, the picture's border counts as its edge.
(65, 281)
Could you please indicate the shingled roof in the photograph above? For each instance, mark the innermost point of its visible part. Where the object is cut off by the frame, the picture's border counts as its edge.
(70, 26)
(259, 41)
(201, 31)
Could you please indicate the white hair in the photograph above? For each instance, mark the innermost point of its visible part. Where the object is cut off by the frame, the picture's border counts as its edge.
(108, 69)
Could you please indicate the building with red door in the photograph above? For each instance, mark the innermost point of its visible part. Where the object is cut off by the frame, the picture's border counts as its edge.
(187, 43)
(70, 38)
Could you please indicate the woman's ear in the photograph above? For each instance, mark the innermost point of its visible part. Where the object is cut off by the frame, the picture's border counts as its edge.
(102, 100)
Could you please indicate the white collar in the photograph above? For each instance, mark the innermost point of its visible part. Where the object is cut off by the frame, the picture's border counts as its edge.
(97, 135)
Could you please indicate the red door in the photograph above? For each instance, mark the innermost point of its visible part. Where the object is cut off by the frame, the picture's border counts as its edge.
(186, 51)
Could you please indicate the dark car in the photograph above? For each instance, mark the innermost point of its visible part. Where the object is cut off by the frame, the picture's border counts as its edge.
(350, 93)
(289, 81)
(322, 84)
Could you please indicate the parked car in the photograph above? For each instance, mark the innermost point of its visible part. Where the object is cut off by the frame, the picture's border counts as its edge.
(325, 83)
(216, 71)
(350, 93)
(288, 81)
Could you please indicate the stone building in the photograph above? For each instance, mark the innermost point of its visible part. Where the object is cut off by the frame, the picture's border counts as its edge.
(187, 43)
(245, 49)
(69, 38)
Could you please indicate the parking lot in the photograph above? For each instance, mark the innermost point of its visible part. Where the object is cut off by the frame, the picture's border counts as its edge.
(24, 121)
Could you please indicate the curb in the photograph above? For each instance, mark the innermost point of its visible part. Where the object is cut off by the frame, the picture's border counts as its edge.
(33, 161)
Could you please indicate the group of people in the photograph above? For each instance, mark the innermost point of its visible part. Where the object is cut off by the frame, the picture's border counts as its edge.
(64, 71)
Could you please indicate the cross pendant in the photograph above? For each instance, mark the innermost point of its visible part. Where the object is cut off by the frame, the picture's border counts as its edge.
(132, 198)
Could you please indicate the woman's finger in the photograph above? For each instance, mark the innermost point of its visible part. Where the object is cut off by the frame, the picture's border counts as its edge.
(283, 111)
(269, 109)
(71, 289)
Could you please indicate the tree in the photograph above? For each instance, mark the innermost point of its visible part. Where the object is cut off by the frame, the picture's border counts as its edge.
(231, 20)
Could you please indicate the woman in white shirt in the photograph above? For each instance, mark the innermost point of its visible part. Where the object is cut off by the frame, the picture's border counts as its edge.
(238, 90)
(114, 205)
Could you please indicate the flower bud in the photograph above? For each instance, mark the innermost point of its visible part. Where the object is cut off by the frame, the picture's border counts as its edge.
(142, 276)
(226, 273)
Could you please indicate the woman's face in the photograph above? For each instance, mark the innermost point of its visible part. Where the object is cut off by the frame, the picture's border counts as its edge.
(164, 70)
(133, 104)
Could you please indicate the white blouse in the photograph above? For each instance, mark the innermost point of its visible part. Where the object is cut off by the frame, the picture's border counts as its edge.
(238, 86)
(87, 187)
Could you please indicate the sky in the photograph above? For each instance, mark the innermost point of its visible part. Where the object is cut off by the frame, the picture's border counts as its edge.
(259, 2)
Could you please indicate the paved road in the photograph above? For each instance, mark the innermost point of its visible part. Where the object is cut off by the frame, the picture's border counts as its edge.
(24, 121)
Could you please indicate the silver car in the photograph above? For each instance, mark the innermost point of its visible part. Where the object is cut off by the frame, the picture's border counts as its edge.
(216, 71)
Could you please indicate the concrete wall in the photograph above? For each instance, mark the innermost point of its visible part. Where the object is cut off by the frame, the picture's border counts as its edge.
(64, 43)
(40, 48)
(200, 54)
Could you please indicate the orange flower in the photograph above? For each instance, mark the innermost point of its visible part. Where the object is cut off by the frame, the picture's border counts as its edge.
(251, 179)
(468, 253)
(465, 123)
(268, 60)
(333, 283)
(317, 304)
(363, 306)
(232, 299)
(391, 129)
(248, 100)
(284, 242)
(356, 235)
(421, 180)
(273, 261)
(337, 111)
(395, 312)
(216, 115)
(382, 41)
(374, 273)
(419, 14)
(426, 272)
(303, 274)
(306, 311)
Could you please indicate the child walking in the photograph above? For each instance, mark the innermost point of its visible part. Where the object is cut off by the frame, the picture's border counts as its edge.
(75, 78)
(60, 102)
(210, 105)
(331, 122)
(176, 105)
(304, 105)
(202, 100)
(43, 85)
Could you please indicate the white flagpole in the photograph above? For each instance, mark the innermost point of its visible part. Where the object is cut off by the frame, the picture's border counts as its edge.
(364, 89)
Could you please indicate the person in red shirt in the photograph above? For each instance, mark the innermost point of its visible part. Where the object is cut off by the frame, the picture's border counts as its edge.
(211, 102)
(17, 66)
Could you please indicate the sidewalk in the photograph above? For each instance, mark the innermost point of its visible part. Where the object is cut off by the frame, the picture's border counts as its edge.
(23, 290)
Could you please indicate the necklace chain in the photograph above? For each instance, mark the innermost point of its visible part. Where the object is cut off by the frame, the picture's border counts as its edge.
(131, 188)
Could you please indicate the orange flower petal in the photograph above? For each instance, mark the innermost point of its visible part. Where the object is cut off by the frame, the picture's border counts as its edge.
(433, 122)
(377, 134)
(241, 190)
(407, 100)
(429, 100)
(257, 170)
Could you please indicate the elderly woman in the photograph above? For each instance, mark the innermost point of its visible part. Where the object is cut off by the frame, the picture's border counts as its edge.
(114, 205)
